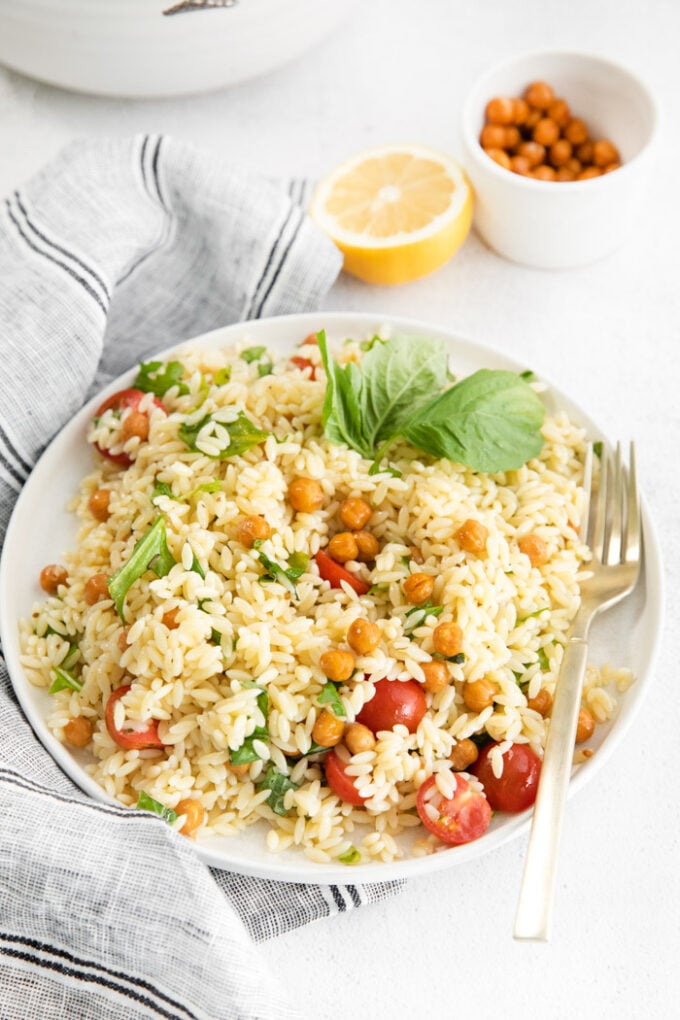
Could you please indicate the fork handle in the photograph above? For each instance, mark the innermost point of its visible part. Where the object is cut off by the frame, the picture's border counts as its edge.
(534, 909)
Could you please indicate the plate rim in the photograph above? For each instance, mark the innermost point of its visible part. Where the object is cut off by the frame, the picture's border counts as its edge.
(279, 868)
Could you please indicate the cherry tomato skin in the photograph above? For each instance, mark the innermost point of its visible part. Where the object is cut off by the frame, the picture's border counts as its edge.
(517, 786)
(334, 573)
(120, 401)
(130, 740)
(461, 819)
(340, 783)
(303, 363)
(394, 702)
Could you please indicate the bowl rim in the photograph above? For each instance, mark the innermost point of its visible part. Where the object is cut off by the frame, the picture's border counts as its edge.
(476, 153)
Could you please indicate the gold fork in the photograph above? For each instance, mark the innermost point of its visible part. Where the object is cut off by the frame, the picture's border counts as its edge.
(613, 530)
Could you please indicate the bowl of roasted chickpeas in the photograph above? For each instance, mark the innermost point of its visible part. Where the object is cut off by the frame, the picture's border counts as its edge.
(558, 146)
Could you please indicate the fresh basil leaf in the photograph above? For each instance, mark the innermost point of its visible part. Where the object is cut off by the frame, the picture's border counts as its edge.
(64, 680)
(150, 553)
(350, 856)
(297, 565)
(417, 616)
(243, 434)
(490, 421)
(329, 696)
(367, 345)
(150, 378)
(161, 489)
(245, 754)
(147, 803)
(222, 376)
(265, 368)
(278, 786)
(71, 657)
(253, 354)
(341, 416)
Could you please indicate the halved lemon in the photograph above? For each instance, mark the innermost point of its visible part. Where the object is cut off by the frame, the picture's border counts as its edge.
(396, 212)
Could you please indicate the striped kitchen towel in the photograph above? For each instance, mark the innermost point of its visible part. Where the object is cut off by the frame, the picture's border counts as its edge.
(118, 249)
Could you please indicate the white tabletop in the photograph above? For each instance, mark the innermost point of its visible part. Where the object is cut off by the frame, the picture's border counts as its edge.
(608, 335)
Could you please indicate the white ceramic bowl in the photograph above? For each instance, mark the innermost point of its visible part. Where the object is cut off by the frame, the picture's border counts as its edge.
(557, 225)
(130, 48)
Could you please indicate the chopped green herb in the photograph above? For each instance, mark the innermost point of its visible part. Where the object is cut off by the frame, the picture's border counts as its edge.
(243, 434)
(222, 376)
(457, 659)
(378, 589)
(246, 753)
(490, 421)
(598, 448)
(278, 785)
(150, 553)
(329, 696)
(368, 345)
(214, 485)
(147, 803)
(161, 489)
(297, 565)
(215, 637)
(265, 368)
(417, 616)
(253, 354)
(196, 566)
(150, 378)
(64, 680)
(531, 616)
(528, 376)
(73, 652)
(543, 660)
(350, 856)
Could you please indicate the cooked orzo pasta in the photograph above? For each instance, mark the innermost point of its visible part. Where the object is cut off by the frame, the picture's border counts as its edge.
(260, 622)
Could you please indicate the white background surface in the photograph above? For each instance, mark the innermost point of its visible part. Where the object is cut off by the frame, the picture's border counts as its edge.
(608, 335)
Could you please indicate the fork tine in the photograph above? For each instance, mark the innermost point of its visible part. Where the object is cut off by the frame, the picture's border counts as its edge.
(631, 551)
(598, 513)
(613, 551)
(587, 493)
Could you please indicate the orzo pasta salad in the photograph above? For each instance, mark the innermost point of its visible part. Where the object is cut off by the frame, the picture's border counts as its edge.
(328, 591)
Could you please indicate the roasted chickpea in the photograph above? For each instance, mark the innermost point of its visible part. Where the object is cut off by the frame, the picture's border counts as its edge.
(239, 770)
(337, 664)
(343, 547)
(98, 504)
(500, 110)
(584, 152)
(359, 738)
(305, 495)
(604, 152)
(546, 132)
(436, 676)
(520, 165)
(135, 424)
(544, 173)
(472, 536)
(479, 694)
(576, 131)
(193, 809)
(559, 112)
(418, 588)
(416, 555)
(535, 548)
(170, 620)
(328, 729)
(541, 703)
(52, 576)
(588, 172)
(355, 513)
(253, 529)
(463, 753)
(565, 174)
(560, 152)
(532, 120)
(532, 151)
(447, 639)
(492, 136)
(574, 165)
(363, 636)
(368, 546)
(499, 156)
(520, 111)
(610, 166)
(512, 137)
(539, 95)
(96, 588)
(122, 639)
(585, 726)
(78, 731)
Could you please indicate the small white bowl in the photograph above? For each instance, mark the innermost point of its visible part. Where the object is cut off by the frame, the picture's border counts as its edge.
(130, 48)
(558, 225)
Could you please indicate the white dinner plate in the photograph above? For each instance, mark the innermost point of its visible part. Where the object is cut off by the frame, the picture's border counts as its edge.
(41, 530)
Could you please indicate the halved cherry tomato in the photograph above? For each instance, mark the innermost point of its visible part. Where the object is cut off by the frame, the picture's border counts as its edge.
(134, 736)
(311, 339)
(517, 786)
(303, 363)
(461, 819)
(333, 572)
(340, 783)
(120, 401)
(394, 701)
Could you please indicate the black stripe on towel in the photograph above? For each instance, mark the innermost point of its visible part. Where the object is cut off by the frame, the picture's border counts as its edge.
(338, 897)
(270, 259)
(57, 262)
(13, 452)
(300, 219)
